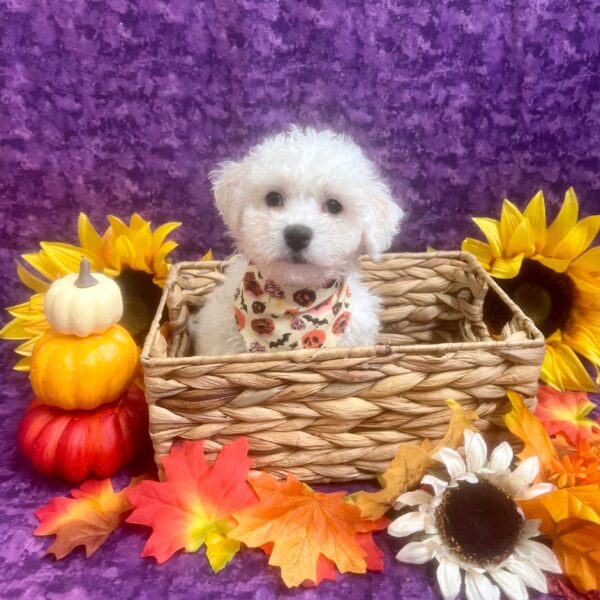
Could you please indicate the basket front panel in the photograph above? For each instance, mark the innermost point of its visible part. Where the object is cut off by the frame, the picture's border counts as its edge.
(337, 421)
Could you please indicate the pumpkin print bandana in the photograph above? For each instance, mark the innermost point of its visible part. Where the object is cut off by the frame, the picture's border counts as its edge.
(274, 317)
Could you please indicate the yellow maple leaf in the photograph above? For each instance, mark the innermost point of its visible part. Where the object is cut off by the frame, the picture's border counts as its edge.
(300, 526)
(410, 465)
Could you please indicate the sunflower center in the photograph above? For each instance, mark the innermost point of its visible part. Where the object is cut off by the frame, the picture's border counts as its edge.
(140, 301)
(544, 295)
(479, 521)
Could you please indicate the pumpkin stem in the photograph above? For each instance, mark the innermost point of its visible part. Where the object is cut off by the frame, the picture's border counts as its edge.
(85, 278)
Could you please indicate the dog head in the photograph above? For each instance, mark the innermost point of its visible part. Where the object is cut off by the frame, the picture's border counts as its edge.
(303, 205)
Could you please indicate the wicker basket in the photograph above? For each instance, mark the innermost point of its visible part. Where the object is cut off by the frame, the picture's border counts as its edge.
(339, 414)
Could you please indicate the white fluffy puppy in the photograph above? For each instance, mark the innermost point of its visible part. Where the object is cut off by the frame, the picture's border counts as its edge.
(302, 206)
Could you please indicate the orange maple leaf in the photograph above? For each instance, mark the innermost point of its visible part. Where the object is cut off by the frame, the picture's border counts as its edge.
(87, 519)
(298, 526)
(566, 413)
(528, 428)
(194, 505)
(575, 544)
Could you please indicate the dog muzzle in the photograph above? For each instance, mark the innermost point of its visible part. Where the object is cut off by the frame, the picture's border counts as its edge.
(280, 317)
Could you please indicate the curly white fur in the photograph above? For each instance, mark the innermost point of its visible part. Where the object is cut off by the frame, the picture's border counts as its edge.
(306, 168)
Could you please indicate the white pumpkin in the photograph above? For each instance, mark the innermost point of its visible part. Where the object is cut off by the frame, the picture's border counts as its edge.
(82, 304)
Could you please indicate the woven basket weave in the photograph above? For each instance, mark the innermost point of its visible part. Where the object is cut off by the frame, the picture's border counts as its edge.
(340, 414)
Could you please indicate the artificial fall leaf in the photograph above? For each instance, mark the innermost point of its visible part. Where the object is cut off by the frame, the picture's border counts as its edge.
(530, 430)
(195, 503)
(581, 502)
(559, 585)
(575, 544)
(298, 526)
(566, 413)
(410, 465)
(326, 567)
(87, 519)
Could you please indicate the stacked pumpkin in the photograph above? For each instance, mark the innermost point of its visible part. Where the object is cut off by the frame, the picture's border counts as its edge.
(87, 419)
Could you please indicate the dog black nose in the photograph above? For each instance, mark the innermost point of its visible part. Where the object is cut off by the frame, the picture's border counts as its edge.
(297, 237)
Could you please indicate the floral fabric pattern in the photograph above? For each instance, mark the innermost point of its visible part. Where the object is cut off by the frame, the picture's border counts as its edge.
(274, 317)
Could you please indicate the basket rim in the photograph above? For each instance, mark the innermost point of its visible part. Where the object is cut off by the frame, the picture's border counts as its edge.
(535, 341)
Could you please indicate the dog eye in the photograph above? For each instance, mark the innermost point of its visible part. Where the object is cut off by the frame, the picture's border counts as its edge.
(333, 206)
(274, 199)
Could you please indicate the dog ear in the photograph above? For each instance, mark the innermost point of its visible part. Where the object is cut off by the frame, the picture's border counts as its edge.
(384, 222)
(226, 181)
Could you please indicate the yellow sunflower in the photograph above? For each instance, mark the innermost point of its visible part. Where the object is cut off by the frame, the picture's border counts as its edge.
(133, 255)
(554, 276)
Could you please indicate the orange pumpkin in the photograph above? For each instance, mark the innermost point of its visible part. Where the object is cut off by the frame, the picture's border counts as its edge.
(73, 372)
(75, 445)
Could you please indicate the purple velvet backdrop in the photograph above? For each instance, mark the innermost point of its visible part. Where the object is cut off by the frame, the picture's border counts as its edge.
(111, 106)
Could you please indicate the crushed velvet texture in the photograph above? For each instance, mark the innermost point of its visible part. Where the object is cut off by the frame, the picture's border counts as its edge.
(113, 106)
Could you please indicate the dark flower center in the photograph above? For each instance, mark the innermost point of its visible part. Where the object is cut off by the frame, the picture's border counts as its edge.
(140, 301)
(544, 295)
(479, 521)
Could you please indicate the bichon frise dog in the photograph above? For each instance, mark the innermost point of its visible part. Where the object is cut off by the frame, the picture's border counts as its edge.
(302, 206)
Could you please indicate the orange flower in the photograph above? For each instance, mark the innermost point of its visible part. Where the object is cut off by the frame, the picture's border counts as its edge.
(581, 467)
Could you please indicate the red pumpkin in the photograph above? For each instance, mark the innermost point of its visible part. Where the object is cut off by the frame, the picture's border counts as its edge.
(78, 444)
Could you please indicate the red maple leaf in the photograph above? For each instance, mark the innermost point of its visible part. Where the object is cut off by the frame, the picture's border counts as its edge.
(194, 505)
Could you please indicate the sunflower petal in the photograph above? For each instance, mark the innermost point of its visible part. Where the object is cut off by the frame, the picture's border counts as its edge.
(506, 268)
(589, 261)
(501, 457)
(14, 330)
(136, 222)
(65, 257)
(452, 460)
(413, 498)
(588, 287)
(560, 265)
(510, 584)
(480, 250)
(562, 369)
(491, 230)
(565, 220)
(418, 553)
(479, 587)
(510, 220)
(161, 233)
(538, 554)
(42, 265)
(523, 476)
(578, 239)
(475, 449)
(521, 241)
(439, 485)
(26, 348)
(117, 227)
(88, 236)
(535, 212)
(407, 524)
(583, 334)
(31, 281)
(142, 242)
(448, 578)
(24, 364)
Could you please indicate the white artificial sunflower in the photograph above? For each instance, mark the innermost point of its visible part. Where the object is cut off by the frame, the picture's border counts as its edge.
(473, 523)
